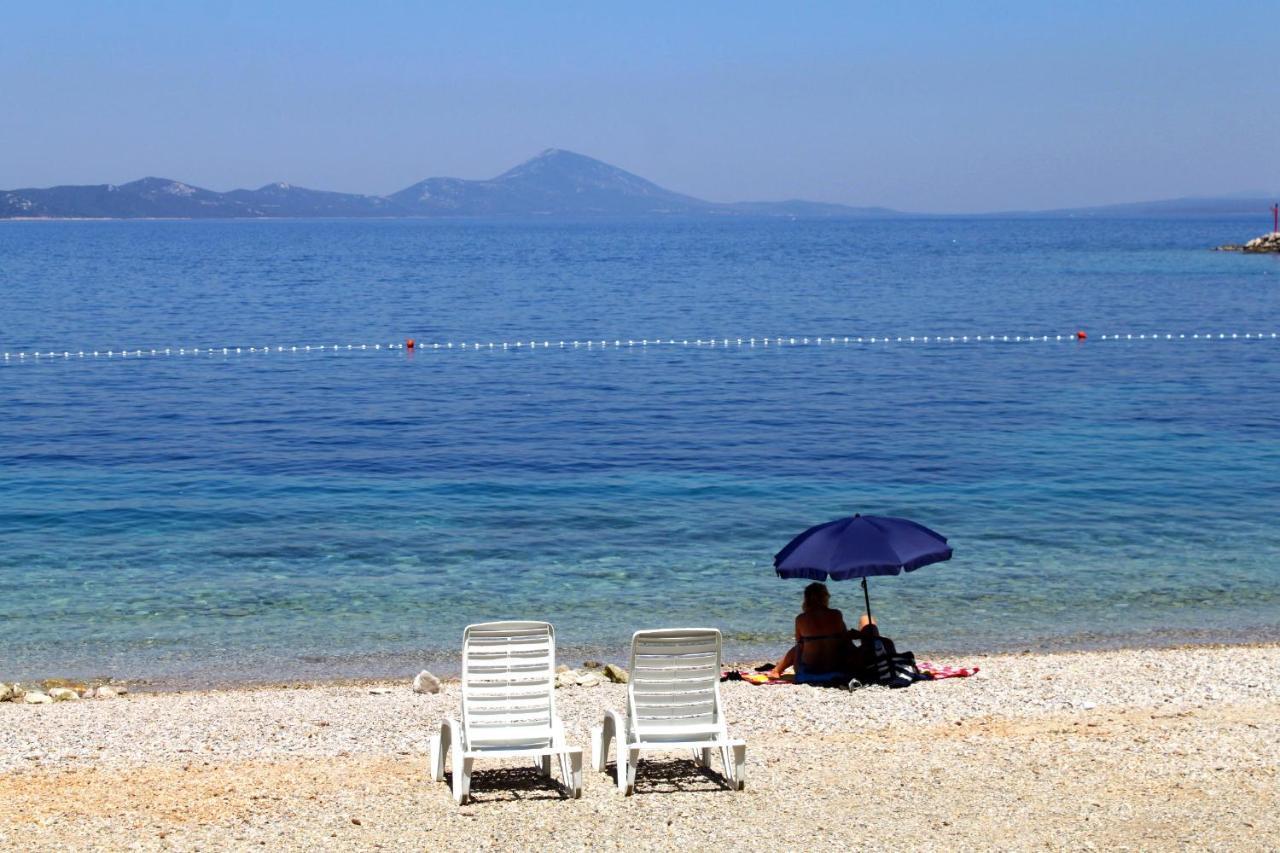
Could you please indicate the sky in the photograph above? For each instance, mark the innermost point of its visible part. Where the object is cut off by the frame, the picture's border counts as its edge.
(944, 107)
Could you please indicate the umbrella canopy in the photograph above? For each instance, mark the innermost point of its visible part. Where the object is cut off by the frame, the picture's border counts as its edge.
(859, 547)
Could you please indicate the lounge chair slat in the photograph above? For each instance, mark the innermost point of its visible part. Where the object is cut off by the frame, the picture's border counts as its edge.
(670, 685)
(702, 647)
(659, 700)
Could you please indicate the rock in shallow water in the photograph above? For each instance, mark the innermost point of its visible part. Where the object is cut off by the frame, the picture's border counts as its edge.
(63, 694)
(1267, 243)
(6, 692)
(616, 674)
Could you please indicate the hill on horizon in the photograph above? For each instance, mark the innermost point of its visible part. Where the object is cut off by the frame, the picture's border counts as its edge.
(555, 183)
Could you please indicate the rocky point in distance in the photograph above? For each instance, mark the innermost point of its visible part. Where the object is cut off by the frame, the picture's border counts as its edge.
(1267, 243)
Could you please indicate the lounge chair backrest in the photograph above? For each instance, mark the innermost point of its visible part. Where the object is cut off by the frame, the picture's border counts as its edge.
(508, 684)
(675, 683)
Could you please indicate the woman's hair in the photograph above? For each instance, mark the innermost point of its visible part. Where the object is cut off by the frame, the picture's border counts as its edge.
(816, 596)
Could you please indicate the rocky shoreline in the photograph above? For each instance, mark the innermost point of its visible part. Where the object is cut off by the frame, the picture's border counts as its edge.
(59, 690)
(1137, 748)
(1266, 244)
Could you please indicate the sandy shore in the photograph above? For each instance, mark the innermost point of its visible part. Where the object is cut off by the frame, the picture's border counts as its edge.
(1150, 749)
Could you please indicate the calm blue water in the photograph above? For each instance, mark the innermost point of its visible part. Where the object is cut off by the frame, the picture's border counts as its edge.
(323, 515)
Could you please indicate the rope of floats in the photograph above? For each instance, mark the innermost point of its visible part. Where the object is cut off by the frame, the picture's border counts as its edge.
(413, 345)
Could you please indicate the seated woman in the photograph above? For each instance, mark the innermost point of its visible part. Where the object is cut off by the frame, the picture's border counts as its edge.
(823, 651)
(871, 646)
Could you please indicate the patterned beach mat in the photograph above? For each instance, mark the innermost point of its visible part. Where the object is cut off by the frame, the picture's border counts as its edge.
(934, 671)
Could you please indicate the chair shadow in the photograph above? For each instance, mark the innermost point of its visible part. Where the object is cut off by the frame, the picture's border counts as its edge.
(673, 776)
(498, 784)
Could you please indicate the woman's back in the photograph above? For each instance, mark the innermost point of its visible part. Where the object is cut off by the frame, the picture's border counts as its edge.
(823, 640)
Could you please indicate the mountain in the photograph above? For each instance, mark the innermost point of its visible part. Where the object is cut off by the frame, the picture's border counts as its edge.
(554, 183)
(149, 197)
(283, 199)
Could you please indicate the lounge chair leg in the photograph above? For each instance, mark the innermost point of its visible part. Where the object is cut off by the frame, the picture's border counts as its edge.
(620, 770)
(437, 757)
(703, 757)
(599, 748)
(633, 764)
(544, 764)
(565, 772)
(574, 778)
(440, 743)
(739, 766)
(461, 777)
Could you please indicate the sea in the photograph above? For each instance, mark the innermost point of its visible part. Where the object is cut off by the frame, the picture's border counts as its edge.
(614, 425)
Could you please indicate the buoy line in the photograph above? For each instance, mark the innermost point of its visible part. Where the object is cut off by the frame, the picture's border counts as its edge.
(412, 345)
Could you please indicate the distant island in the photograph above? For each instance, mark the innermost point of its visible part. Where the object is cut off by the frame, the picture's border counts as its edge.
(556, 183)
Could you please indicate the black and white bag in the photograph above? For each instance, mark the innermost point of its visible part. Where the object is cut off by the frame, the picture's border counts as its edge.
(889, 670)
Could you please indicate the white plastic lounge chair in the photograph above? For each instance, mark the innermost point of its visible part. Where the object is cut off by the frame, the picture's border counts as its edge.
(673, 703)
(508, 706)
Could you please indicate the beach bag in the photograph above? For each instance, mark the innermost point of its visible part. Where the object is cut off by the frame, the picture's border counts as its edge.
(895, 670)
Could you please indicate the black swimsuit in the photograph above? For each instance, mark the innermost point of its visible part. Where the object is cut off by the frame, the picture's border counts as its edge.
(804, 675)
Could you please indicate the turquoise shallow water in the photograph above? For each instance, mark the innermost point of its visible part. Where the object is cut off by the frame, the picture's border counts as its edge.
(326, 515)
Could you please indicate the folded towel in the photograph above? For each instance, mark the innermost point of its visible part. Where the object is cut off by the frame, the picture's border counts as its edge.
(755, 677)
(937, 671)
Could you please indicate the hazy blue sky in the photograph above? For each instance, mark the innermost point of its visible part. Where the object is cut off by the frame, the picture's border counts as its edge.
(920, 106)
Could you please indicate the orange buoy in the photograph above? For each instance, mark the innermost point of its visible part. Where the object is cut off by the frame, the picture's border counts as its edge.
(408, 344)
(1080, 335)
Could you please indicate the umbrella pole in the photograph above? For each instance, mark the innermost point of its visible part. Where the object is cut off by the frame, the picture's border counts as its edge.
(867, 597)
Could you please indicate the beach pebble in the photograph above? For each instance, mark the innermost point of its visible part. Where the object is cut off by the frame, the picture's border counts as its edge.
(63, 694)
(35, 697)
(380, 691)
(106, 691)
(616, 674)
(567, 678)
(425, 682)
(588, 679)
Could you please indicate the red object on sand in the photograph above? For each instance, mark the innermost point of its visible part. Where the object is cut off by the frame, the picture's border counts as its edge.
(938, 672)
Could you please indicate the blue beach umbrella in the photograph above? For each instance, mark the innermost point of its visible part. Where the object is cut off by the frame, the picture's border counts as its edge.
(861, 547)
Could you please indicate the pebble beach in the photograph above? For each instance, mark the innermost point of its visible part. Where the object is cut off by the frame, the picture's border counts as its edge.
(1131, 749)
